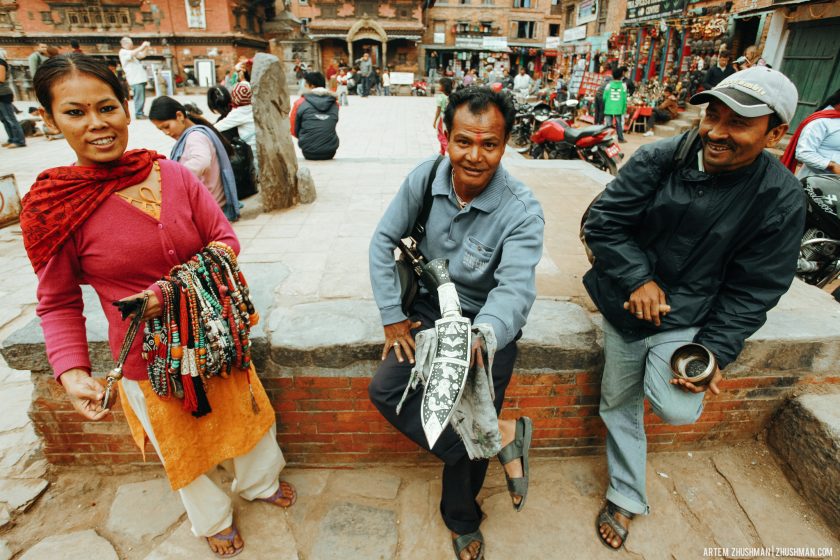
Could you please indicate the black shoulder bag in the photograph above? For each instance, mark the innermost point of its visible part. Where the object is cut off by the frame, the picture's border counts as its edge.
(410, 262)
(242, 162)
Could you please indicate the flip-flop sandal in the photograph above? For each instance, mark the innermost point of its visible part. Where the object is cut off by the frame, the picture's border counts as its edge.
(280, 494)
(462, 542)
(516, 449)
(607, 517)
(227, 538)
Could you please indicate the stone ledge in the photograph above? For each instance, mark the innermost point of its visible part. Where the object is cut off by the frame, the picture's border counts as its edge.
(805, 433)
(336, 334)
(344, 336)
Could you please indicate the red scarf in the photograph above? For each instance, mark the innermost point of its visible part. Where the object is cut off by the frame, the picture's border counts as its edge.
(789, 157)
(62, 198)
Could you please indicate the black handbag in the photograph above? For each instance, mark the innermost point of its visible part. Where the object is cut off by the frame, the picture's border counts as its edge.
(242, 162)
(407, 272)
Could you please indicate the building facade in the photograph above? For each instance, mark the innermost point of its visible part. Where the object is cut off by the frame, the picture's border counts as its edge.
(344, 30)
(190, 38)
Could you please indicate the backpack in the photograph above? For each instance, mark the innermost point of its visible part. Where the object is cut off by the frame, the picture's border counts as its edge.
(242, 162)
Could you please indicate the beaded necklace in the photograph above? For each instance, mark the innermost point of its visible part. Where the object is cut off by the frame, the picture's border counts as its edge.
(203, 330)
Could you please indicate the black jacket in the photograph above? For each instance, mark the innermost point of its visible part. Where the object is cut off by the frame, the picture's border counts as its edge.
(715, 75)
(315, 122)
(723, 248)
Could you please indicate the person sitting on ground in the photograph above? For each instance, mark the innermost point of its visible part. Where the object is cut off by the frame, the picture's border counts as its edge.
(667, 110)
(314, 118)
(241, 118)
(695, 240)
(200, 148)
(490, 227)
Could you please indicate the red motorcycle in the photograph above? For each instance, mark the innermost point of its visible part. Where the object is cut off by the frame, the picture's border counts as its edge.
(557, 139)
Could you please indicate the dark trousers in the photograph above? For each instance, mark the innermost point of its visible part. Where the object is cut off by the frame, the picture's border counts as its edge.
(10, 123)
(462, 478)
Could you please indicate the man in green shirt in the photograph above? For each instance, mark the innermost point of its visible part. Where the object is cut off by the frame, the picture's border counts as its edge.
(615, 102)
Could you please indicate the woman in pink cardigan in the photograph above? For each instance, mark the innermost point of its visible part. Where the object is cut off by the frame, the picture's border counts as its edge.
(119, 221)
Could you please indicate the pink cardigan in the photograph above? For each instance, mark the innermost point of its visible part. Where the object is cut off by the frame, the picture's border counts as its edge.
(121, 251)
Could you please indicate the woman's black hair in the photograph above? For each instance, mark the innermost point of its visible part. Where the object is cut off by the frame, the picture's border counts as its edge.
(59, 67)
(833, 99)
(478, 99)
(446, 85)
(165, 108)
(218, 100)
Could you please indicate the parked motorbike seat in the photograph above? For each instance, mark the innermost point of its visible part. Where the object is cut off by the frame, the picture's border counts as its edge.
(574, 134)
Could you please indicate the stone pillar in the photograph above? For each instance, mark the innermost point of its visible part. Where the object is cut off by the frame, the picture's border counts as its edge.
(384, 62)
(275, 149)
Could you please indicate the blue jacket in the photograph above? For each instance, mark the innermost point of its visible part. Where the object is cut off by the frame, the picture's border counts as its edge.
(493, 246)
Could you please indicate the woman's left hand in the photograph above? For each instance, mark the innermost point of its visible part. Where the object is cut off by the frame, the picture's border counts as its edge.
(152, 306)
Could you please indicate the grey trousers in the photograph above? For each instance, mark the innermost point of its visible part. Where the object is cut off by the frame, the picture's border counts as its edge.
(635, 370)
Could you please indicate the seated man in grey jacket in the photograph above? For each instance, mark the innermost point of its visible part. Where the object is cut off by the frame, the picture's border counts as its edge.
(490, 227)
(694, 241)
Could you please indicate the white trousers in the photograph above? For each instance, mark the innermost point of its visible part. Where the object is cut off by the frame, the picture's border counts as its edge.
(209, 507)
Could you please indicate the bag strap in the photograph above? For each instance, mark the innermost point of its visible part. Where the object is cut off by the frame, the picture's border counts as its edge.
(418, 232)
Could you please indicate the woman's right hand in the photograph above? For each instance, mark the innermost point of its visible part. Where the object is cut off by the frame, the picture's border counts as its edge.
(85, 393)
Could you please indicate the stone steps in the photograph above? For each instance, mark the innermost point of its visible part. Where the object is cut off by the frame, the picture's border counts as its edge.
(805, 434)
(665, 130)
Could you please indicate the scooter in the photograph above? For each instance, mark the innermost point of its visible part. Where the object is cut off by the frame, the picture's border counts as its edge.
(420, 88)
(819, 251)
(557, 139)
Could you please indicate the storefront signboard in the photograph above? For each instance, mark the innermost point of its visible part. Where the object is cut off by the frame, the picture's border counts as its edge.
(641, 10)
(552, 42)
(468, 42)
(575, 34)
(494, 43)
(587, 10)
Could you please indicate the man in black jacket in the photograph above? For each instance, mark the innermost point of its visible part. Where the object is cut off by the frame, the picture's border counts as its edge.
(694, 241)
(314, 118)
(719, 72)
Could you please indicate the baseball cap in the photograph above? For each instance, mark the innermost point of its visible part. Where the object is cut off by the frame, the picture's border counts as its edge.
(755, 92)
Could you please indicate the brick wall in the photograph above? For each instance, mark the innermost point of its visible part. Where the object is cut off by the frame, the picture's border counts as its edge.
(329, 420)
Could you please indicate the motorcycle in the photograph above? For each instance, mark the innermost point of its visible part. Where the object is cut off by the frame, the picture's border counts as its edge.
(527, 117)
(819, 251)
(557, 139)
(420, 88)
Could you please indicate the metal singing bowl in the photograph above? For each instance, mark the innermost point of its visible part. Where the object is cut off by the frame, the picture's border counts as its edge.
(684, 360)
